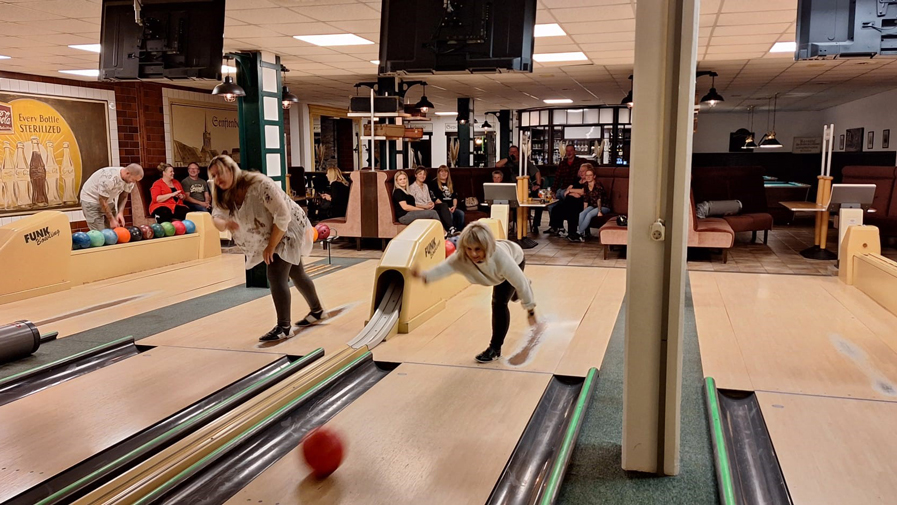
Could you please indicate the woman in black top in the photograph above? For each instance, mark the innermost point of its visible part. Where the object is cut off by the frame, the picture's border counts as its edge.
(403, 202)
(338, 195)
(445, 193)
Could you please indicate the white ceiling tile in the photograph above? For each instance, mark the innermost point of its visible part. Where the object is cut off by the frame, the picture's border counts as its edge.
(262, 16)
(751, 29)
(233, 5)
(67, 8)
(245, 31)
(605, 13)
(18, 12)
(345, 12)
(624, 25)
(756, 18)
(754, 6)
(291, 29)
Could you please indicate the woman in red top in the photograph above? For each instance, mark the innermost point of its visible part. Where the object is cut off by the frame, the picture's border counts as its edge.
(167, 197)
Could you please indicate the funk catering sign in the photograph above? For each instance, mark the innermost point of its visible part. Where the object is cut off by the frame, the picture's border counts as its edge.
(48, 146)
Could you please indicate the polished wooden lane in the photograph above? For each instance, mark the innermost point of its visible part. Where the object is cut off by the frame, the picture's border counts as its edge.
(50, 431)
(794, 335)
(578, 306)
(347, 291)
(424, 434)
(721, 355)
(92, 305)
(834, 450)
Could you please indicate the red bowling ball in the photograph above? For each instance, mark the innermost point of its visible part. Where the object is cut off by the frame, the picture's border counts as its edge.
(323, 231)
(449, 248)
(179, 228)
(323, 451)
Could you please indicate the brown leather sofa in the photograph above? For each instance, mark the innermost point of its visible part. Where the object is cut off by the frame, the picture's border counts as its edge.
(885, 200)
(711, 233)
(736, 183)
(371, 214)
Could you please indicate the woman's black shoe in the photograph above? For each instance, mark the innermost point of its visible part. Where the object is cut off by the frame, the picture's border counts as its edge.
(276, 333)
(488, 355)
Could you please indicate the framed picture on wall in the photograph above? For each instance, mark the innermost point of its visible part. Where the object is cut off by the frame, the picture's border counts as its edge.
(885, 139)
(854, 142)
(841, 143)
(870, 140)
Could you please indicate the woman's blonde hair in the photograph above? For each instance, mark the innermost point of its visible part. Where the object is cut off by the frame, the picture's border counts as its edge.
(335, 174)
(227, 198)
(479, 235)
(395, 181)
(589, 168)
(162, 166)
(448, 180)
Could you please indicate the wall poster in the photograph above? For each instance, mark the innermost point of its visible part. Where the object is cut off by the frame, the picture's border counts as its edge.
(49, 146)
(201, 130)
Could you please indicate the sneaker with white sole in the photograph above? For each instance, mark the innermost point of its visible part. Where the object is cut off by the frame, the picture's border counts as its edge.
(276, 333)
(312, 318)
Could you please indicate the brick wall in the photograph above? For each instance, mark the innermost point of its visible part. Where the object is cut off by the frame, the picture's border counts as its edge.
(141, 130)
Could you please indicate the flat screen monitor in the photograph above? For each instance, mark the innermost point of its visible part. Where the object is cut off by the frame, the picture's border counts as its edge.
(851, 196)
(429, 36)
(161, 39)
(500, 192)
(845, 29)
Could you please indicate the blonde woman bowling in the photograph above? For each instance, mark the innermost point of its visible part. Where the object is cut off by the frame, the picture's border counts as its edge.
(269, 227)
(483, 260)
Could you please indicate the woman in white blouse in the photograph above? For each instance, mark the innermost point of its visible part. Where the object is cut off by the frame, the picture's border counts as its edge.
(269, 227)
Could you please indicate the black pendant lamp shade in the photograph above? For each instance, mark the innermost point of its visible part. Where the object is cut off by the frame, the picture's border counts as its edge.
(770, 141)
(288, 99)
(627, 100)
(229, 90)
(486, 125)
(749, 141)
(712, 97)
(424, 105)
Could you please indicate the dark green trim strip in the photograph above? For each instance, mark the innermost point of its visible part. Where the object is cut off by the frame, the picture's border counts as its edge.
(156, 493)
(74, 357)
(170, 434)
(560, 463)
(721, 453)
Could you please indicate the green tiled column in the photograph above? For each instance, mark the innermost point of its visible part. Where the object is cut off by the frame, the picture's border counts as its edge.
(261, 128)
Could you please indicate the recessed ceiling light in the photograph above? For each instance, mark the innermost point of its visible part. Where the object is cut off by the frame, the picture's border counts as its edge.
(549, 30)
(557, 100)
(446, 113)
(85, 73)
(338, 39)
(375, 62)
(784, 47)
(227, 69)
(549, 57)
(3, 57)
(94, 48)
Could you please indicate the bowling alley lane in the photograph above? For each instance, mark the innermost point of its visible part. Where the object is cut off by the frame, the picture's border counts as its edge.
(424, 434)
(50, 431)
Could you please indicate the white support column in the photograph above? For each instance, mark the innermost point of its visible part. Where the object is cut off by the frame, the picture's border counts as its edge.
(300, 141)
(660, 177)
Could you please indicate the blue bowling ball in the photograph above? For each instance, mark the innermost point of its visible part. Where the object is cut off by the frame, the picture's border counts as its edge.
(190, 226)
(80, 240)
(454, 240)
(110, 236)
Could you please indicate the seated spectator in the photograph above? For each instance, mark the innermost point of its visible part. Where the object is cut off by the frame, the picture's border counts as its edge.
(167, 197)
(593, 199)
(423, 199)
(498, 176)
(197, 196)
(406, 210)
(568, 208)
(338, 193)
(444, 191)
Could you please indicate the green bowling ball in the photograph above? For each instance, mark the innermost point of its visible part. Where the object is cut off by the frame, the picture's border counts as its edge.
(96, 238)
(169, 229)
(157, 230)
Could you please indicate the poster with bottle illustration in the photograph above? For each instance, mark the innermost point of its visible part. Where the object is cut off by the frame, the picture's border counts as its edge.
(48, 147)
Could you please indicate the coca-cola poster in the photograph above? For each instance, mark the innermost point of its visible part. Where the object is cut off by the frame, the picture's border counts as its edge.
(48, 147)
